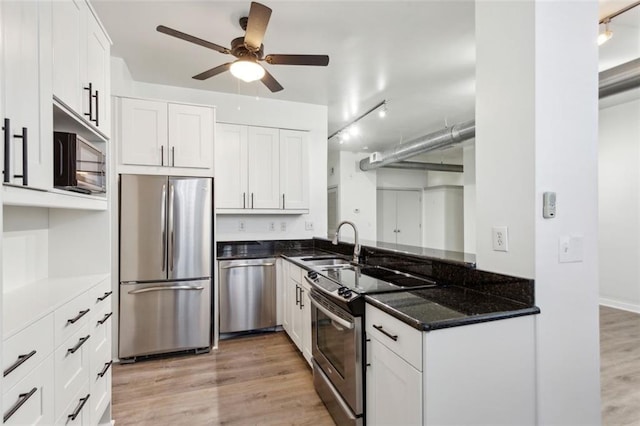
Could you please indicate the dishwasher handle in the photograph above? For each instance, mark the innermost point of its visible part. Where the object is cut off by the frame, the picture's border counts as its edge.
(243, 265)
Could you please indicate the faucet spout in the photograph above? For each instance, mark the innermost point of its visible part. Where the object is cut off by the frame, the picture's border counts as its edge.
(356, 246)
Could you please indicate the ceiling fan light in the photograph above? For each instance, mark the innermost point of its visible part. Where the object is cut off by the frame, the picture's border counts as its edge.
(247, 70)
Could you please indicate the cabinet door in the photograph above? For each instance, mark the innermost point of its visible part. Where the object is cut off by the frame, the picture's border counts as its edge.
(306, 323)
(191, 136)
(394, 388)
(69, 40)
(286, 298)
(143, 132)
(98, 74)
(294, 169)
(21, 73)
(264, 168)
(296, 313)
(231, 167)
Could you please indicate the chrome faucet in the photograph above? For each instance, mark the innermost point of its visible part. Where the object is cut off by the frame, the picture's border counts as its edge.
(356, 247)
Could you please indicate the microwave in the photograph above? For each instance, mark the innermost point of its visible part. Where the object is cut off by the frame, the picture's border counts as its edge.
(78, 165)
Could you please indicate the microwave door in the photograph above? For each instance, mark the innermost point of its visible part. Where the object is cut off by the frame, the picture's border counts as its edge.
(143, 228)
(90, 167)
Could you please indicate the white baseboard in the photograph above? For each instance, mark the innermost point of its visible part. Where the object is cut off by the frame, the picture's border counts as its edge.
(620, 305)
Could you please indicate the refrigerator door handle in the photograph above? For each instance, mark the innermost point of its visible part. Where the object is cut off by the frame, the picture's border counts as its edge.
(162, 288)
(163, 220)
(171, 227)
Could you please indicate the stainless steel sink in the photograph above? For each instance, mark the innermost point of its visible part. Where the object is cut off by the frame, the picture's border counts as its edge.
(334, 261)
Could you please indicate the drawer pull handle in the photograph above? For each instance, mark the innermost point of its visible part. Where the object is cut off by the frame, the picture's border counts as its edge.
(106, 317)
(22, 398)
(107, 294)
(76, 412)
(21, 360)
(77, 346)
(105, 369)
(386, 333)
(80, 315)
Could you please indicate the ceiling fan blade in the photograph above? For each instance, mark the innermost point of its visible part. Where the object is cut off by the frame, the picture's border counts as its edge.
(271, 83)
(190, 38)
(318, 60)
(259, 15)
(213, 71)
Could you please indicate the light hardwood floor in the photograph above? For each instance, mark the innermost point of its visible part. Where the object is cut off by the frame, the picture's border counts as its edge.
(620, 367)
(253, 380)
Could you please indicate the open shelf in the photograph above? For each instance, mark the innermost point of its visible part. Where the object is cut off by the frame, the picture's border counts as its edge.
(67, 120)
(14, 195)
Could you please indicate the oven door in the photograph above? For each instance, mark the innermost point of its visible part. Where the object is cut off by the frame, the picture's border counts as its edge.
(337, 348)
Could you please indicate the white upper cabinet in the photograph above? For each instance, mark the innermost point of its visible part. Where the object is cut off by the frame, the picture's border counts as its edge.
(264, 168)
(26, 121)
(190, 135)
(294, 176)
(261, 169)
(81, 69)
(144, 132)
(157, 133)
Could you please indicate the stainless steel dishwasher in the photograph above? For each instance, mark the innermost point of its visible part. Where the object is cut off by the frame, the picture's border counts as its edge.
(247, 294)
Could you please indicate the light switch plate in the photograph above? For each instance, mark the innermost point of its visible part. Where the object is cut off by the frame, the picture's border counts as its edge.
(308, 226)
(241, 226)
(500, 237)
(283, 226)
(570, 248)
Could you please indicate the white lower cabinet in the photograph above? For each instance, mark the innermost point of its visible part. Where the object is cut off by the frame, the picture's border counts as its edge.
(297, 308)
(77, 412)
(71, 368)
(30, 402)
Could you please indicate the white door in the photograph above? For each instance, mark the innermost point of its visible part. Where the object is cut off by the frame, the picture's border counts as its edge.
(191, 136)
(98, 66)
(305, 315)
(386, 215)
(409, 218)
(286, 298)
(264, 168)
(69, 48)
(394, 388)
(231, 167)
(294, 172)
(143, 132)
(296, 312)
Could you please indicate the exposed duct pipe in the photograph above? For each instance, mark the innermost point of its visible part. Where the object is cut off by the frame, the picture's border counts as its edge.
(441, 138)
(619, 79)
(615, 80)
(417, 165)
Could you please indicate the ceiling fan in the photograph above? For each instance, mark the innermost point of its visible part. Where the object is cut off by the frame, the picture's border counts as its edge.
(249, 50)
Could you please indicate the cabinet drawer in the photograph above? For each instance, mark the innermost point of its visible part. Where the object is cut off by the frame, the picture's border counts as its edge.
(23, 351)
(401, 338)
(71, 368)
(101, 294)
(31, 400)
(100, 387)
(100, 341)
(71, 317)
(76, 413)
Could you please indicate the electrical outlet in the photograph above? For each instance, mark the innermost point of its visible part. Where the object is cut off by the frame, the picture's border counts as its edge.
(241, 226)
(500, 238)
(308, 226)
(283, 226)
(272, 226)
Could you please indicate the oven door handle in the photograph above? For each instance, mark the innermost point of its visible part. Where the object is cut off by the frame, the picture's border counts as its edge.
(333, 317)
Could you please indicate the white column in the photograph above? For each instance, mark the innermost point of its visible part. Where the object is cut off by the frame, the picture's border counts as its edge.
(537, 131)
(469, 202)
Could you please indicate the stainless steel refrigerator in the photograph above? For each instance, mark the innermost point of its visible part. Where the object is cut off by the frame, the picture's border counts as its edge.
(166, 240)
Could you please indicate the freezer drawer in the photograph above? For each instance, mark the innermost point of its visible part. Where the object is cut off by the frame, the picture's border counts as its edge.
(164, 317)
(247, 295)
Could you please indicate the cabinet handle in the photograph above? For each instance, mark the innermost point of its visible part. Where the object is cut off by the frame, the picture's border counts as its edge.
(282, 201)
(106, 317)
(107, 294)
(97, 98)
(76, 412)
(22, 398)
(297, 297)
(78, 345)
(244, 200)
(21, 360)
(90, 114)
(25, 157)
(252, 200)
(301, 298)
(162, 155)
(105, 369)
(77, 317)
(173, 156)
(386, 333)
(7, 149)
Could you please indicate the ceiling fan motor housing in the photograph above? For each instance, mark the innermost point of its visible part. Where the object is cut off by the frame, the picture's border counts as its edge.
(239, 50)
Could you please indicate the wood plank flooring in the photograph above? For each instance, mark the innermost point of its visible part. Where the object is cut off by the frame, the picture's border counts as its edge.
(257, 380)
(620, 367)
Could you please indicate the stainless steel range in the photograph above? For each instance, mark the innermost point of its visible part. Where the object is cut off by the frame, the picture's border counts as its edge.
(338, 343)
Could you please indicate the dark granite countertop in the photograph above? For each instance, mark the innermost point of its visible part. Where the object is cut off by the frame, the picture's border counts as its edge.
(447, 306)
(261, 249)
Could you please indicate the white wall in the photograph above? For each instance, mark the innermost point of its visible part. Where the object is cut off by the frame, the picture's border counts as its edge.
(619, 205)
(357, 196)
(238, 109)
(469, 203)
(536, 106)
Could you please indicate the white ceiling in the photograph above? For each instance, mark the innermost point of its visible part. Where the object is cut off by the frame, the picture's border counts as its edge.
(418, 55)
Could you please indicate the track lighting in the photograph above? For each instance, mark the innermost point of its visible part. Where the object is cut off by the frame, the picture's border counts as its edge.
(383, 112)
(605, 36)
(350, 129)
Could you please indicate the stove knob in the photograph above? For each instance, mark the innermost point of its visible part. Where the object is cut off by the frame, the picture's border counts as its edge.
(346, 294)
(342, 290)
(312, 275)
